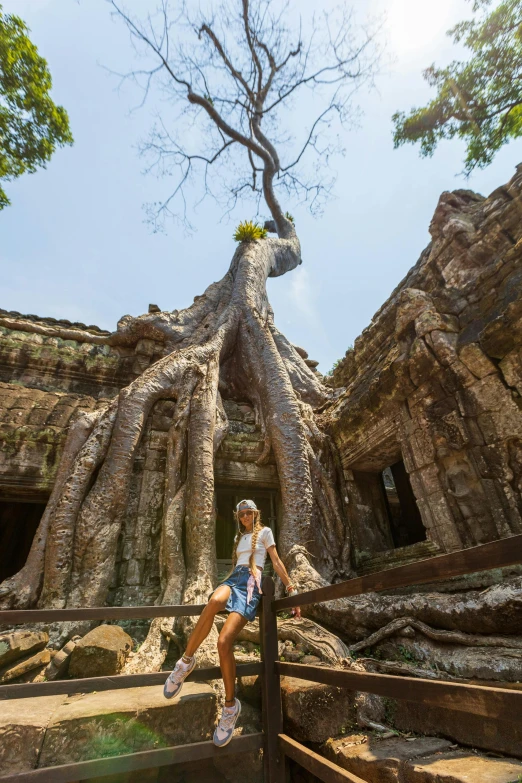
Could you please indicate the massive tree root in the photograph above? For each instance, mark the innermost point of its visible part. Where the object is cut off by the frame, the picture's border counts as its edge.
(225, 344)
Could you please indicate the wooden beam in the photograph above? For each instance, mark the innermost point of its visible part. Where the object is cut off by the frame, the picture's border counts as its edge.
(148, 759)
(496, 554)
(320, 767)
(272, 711)
(20, 616)
(476, 699)
(31, 690)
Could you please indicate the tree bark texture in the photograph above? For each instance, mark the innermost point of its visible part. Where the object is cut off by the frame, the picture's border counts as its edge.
(225, 344)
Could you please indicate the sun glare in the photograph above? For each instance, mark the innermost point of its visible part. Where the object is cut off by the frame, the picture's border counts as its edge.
(413, 26)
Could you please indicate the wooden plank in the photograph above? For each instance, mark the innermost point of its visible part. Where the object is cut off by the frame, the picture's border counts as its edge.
(83, 770)
(273, 760)
(320, 767)
(502, 703)
(496, 554)
(20, 616)
(31, 690)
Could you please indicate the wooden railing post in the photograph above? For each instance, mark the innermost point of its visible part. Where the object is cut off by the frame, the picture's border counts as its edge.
(271, 690)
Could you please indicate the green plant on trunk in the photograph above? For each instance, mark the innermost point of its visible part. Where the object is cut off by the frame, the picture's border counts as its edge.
(248, 231)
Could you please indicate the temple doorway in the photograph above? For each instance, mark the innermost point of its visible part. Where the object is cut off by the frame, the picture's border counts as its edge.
(227, 498)
(403, 513)
(18, 524)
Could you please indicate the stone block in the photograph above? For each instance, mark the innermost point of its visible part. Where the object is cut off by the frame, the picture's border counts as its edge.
(511, 368)
(377, 760)
(101, 652)
(476, 360)
(158, 440)
(462, 767)
(14, 670)
(127, 721)
(145, 347)
(23, 723)
(313, 712)
(498, 736)
(430, 478)
(19, 644)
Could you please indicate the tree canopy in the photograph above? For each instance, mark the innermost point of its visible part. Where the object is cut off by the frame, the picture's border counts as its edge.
(478, 100)
(31, 125)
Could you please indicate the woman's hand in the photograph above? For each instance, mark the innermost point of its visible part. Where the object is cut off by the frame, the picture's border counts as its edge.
(296, 610)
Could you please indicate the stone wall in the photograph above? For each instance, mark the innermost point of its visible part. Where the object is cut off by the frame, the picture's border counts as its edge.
(436, 381)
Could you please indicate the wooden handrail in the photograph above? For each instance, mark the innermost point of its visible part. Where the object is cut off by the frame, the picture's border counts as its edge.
(30, 690)
(319, 766)
(147, 759)
(21, 616)
(477, 699)
(496, 554)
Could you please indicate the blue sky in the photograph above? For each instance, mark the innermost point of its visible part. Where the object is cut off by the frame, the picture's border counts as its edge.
(74, 243)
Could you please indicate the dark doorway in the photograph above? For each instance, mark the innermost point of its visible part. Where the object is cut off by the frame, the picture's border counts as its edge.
(403, 513)
(227, 499)
(18, 523)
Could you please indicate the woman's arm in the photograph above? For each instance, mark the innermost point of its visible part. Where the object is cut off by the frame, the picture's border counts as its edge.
(281, 571)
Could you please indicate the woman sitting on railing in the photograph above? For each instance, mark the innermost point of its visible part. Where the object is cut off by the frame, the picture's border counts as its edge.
(239, 594)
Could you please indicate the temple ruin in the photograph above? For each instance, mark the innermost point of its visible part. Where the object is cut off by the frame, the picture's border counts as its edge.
(428, 425)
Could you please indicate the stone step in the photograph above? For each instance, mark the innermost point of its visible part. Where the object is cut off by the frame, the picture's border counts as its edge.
(417, 760)
(52, 730)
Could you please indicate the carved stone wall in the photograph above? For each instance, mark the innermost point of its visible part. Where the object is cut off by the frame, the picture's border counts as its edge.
(436, 381)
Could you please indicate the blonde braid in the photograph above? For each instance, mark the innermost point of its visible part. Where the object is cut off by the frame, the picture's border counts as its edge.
(258, 526)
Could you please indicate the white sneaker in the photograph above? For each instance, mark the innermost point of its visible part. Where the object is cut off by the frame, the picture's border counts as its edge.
(176, 678)
(227, 723)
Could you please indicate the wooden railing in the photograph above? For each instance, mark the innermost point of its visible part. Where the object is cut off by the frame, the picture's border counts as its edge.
(475, 699)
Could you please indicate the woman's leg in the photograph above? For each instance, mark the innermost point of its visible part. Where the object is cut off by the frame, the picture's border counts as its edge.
(216, 604)
(234, 623)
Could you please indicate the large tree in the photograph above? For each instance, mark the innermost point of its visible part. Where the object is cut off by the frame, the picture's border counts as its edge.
(234, 74)
(31, 125)
(478, 100)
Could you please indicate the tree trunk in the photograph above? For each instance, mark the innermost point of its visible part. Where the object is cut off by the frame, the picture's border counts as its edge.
(225, 342)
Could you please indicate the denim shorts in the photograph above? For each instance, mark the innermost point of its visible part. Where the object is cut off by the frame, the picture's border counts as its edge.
(237, 602)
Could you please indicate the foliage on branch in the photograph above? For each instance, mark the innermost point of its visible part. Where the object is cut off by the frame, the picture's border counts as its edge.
(478, 100)
(31, 125)
(247, 231)
(237, 72)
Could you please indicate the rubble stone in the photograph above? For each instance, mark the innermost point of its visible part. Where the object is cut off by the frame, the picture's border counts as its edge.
(19, 644)
(102, 651)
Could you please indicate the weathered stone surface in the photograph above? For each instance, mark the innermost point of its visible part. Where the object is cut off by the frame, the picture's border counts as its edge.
(60, 662)
(19, 644)
(498, 736)
(102, 651)
(314, 712)
(423, 383)
(15, 670)
(417, 760)
(23, 723)
(126, 721)
(378, 760)
(463, 767)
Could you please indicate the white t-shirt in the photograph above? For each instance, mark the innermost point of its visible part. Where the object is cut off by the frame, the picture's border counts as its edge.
(265, 539)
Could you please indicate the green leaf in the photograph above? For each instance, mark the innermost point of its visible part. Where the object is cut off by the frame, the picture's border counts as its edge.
(478, 100)
(31, 125)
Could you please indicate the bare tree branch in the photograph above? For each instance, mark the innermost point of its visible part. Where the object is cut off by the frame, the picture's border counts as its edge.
(237, 76)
